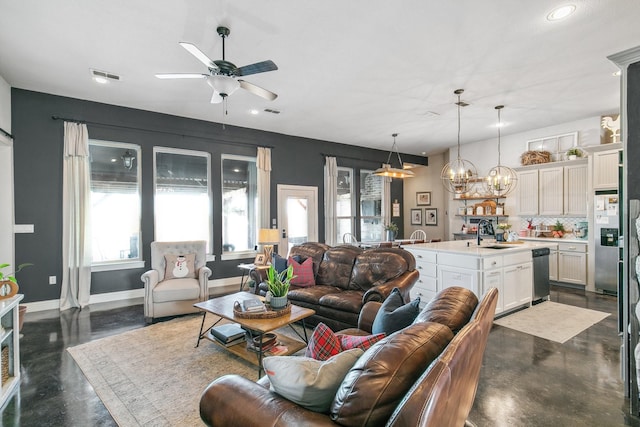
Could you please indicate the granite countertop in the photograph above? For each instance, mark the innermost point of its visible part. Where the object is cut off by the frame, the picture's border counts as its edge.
(488, 247)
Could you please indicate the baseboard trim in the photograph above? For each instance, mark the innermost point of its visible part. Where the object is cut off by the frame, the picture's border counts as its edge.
(216, 287)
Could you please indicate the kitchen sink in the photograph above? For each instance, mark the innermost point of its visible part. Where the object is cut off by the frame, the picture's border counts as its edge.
(495, 247)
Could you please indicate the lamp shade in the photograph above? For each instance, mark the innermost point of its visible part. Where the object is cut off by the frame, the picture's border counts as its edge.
(222, 84)
(268, 236)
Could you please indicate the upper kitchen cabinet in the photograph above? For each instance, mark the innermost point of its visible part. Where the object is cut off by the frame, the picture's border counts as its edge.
(553, 189)
(605, 167)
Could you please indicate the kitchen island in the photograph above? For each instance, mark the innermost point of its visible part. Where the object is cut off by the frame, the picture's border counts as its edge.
(506, 266)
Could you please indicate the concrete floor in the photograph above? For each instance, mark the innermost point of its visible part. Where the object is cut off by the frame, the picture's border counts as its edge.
(525, 380)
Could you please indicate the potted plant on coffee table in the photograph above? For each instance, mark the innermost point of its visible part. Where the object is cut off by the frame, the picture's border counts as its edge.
(279, 286)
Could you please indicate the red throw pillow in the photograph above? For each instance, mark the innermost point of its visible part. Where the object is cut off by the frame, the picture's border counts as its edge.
(324, 343)
(303, 272)
(357, 341)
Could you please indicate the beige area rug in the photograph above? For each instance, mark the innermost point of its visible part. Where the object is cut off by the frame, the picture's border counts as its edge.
(154, 376)
(552, 321)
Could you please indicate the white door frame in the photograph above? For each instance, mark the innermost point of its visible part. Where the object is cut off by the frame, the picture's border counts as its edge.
(308, 192)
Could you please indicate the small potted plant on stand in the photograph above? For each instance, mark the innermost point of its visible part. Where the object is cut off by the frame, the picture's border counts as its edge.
(279, 286)
(503, 226)
(391, 230)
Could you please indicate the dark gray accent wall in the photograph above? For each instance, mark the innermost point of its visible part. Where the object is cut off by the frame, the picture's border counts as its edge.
(633, 131)
(38, 152)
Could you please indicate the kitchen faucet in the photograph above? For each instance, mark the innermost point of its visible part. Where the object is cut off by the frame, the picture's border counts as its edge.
(485, 221)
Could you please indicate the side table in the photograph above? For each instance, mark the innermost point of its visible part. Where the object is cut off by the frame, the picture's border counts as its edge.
(246, 269)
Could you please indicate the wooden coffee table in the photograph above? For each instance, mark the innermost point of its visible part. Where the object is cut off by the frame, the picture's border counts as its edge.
(222, 307)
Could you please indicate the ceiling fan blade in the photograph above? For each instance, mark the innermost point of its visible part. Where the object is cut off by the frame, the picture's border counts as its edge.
(216, 98)
(193, 50)
(258, 67)
(181, 76)
(257, 90)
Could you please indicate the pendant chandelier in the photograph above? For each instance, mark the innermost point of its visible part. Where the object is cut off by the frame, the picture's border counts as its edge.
(388, 170)
(459, 176)
(501, 180)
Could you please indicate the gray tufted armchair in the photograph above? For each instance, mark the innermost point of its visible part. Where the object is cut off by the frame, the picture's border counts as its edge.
(174, 290)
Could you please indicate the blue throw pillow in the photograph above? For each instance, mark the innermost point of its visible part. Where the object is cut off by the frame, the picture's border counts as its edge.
(280, 263)
(394, 314)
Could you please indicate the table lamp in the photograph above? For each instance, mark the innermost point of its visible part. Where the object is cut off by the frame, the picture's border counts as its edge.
(267, 237)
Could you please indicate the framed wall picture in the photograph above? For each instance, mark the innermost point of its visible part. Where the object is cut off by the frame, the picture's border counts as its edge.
(261, 259)
(416, 216)
(431, 216)
(423, 198)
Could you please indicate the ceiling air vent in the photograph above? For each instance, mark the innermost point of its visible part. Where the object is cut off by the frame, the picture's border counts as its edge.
(104, 75)
(272, 111)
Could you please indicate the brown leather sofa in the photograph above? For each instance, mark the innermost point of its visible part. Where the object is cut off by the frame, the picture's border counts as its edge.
(431, 375)
(347, 277)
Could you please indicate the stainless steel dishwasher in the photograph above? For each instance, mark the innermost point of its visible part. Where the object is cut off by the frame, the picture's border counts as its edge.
(540, 274)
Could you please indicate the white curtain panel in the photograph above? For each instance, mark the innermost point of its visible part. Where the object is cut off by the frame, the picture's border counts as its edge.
(330, 199)
(76, 206)
(264, 187)
(386, 200)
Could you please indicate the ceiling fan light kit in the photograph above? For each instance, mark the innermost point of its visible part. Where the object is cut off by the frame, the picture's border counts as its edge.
(391, 172)
(222, 74)
(459, 176)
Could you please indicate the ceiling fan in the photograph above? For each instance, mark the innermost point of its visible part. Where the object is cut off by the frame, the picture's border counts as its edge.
(222, 76)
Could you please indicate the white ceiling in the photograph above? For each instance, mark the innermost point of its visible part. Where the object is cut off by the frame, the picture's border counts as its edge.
(352, 72)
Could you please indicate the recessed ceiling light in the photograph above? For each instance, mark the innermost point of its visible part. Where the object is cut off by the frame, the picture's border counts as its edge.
(617, 73)
(254, 112)
(236, 170)
(561, 12)
(113, 160)
(100, 80)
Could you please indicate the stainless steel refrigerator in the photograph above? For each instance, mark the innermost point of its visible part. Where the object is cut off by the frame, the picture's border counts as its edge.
(606, 240)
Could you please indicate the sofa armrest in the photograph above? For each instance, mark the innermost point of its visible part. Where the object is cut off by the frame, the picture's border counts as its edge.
(368, 315)
(203, 280)
(225, 400)
(258, 276)
(150, 279)
(404, 283)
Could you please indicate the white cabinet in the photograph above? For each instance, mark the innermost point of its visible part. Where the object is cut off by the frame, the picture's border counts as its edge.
(427, 284)
(517, 288)
(550, 191)
(9, 346)
(455, 276)
(605, 169)
(553, 190)
(527, 194)
(553, 265)
(494, 279)
(572, 263)
(575, 190)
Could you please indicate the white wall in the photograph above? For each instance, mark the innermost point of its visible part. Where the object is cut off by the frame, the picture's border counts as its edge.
(427, 178)
(6, 177)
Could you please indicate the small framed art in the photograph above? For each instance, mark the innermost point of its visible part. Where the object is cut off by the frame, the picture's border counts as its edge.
(431, 216)
(423, 198)
(261, 259)
(416, 216)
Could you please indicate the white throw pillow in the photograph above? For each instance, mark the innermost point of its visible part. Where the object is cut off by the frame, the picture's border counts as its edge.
(308, 382)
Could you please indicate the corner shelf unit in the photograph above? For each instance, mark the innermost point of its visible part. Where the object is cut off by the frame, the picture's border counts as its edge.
(9, 347)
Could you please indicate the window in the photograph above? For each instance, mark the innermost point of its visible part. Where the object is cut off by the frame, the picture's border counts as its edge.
(182, 195)
(115, 202)
(239, 204)
(345, 210)
(370, 206)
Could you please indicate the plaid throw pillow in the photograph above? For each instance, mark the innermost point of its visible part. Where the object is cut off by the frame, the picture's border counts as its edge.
(303, 272)
(354, 341)
(324, 343)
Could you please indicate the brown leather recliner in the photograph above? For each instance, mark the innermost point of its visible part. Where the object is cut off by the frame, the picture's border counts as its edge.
(447, 367)
(347, 277)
